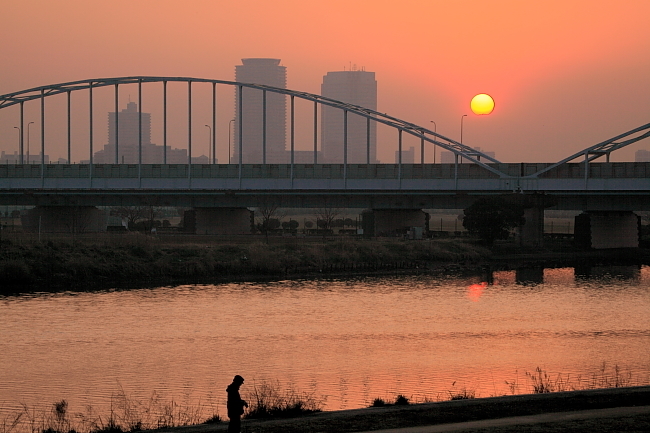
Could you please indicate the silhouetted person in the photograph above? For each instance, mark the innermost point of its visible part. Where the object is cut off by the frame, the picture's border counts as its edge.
(235, 404)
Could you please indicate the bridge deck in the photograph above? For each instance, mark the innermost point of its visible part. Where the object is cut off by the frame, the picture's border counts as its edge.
(609, 186)
(613, 170)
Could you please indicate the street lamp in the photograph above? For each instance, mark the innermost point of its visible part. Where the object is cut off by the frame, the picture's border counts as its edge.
(209, 141)
(229, 137)
(20, 136)
(28, 141)
(461, 127)
(461, 132)
(435, 130)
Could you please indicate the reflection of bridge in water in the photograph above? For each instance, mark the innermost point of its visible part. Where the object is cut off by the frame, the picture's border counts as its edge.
(396, 192)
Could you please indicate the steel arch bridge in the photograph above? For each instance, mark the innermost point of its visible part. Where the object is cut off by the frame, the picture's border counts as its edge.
(460, 150)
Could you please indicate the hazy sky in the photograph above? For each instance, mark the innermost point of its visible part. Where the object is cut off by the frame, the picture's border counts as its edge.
(564, 74)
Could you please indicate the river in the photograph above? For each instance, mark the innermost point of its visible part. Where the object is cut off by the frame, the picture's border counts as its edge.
(346, 342)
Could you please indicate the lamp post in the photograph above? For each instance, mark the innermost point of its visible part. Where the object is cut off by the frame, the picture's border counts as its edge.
(461, 132)
(229, 138)
(209, 141)
(435, 130)
(28, 141)
(461, 127)
(20, 136)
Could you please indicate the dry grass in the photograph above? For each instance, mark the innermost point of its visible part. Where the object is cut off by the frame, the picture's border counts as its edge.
(607, 377)
(125, 415)
(270, 400)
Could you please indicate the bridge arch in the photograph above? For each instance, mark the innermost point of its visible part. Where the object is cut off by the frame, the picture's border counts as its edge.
(401, 126)
(460, 150)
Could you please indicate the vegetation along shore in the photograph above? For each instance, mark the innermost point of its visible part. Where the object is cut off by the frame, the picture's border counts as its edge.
(275, 411)
(138, 260)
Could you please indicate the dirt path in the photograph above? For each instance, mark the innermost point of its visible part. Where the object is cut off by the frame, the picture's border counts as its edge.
(589, 411)
(564, 418)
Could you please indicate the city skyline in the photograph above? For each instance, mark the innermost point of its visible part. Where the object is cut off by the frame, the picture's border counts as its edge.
(128, 143)
(357, 87)
(564, 75)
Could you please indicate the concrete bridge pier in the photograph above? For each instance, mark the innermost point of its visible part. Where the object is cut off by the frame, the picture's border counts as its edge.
(64, 219)
(610, 229)
(531, 233)
(221, 221)
(393, 222)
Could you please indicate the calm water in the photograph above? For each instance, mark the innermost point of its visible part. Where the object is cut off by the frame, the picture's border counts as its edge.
(348, 341)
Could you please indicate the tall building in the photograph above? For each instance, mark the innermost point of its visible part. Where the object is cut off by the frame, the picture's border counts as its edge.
(408, 156)
(353, 87)
(270, 73)
(128, 143)
(642, 155)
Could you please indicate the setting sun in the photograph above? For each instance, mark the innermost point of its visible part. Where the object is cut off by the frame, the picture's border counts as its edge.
(482, 104)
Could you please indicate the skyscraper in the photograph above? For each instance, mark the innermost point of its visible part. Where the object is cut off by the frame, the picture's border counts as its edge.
(353, 87)
(268, 72)
(129, 144)
(128, 130)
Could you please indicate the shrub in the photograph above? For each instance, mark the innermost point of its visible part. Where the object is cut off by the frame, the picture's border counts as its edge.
(269, 401)
(463, 394)
(15, 271)
(401, 400)
(492, 218)
(541, 382)
(378, 402)
(214, 419)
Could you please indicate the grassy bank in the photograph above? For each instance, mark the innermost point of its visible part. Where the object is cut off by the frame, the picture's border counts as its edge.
(129, 416)
(135, 259)
(274, 407)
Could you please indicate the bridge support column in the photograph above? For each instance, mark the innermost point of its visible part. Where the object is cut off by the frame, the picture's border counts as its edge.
(602, 230)
(64, 219)
(223, 221)
(529, 275)
(393, 222)
(531, 233)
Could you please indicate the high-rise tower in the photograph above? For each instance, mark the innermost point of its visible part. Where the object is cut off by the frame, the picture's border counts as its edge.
(128, 121)
(268, 72)
(353, 87)
(129, 149)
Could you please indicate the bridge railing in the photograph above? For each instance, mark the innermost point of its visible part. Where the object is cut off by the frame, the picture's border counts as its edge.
(249, 171)
(614, 170)
(602, 170)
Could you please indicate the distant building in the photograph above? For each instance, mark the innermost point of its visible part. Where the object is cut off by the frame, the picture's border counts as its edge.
(447, 157)
(353, 87)
(408, 156)
(8, 158)
(268, 72)
(642, 155)
(128, 142)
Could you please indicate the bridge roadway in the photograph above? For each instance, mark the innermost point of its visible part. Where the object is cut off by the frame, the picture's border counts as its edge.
(614, 186)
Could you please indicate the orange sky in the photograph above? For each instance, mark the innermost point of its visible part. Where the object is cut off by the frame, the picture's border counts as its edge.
(564, 74)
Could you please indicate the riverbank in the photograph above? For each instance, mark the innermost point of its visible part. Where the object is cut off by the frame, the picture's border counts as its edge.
(136, 260)
(398, 417)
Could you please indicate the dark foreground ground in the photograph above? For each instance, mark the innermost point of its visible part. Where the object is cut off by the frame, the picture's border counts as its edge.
(554, 412)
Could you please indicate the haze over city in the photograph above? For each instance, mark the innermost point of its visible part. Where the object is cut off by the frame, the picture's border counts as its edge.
(167, 228)
(564, 75)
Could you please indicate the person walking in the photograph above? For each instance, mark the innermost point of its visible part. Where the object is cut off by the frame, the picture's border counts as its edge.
(235, 405)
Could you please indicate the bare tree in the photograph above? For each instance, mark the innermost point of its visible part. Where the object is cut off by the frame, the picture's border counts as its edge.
(151, 213)
(326, 216)
(267, 211)
(133, 214)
